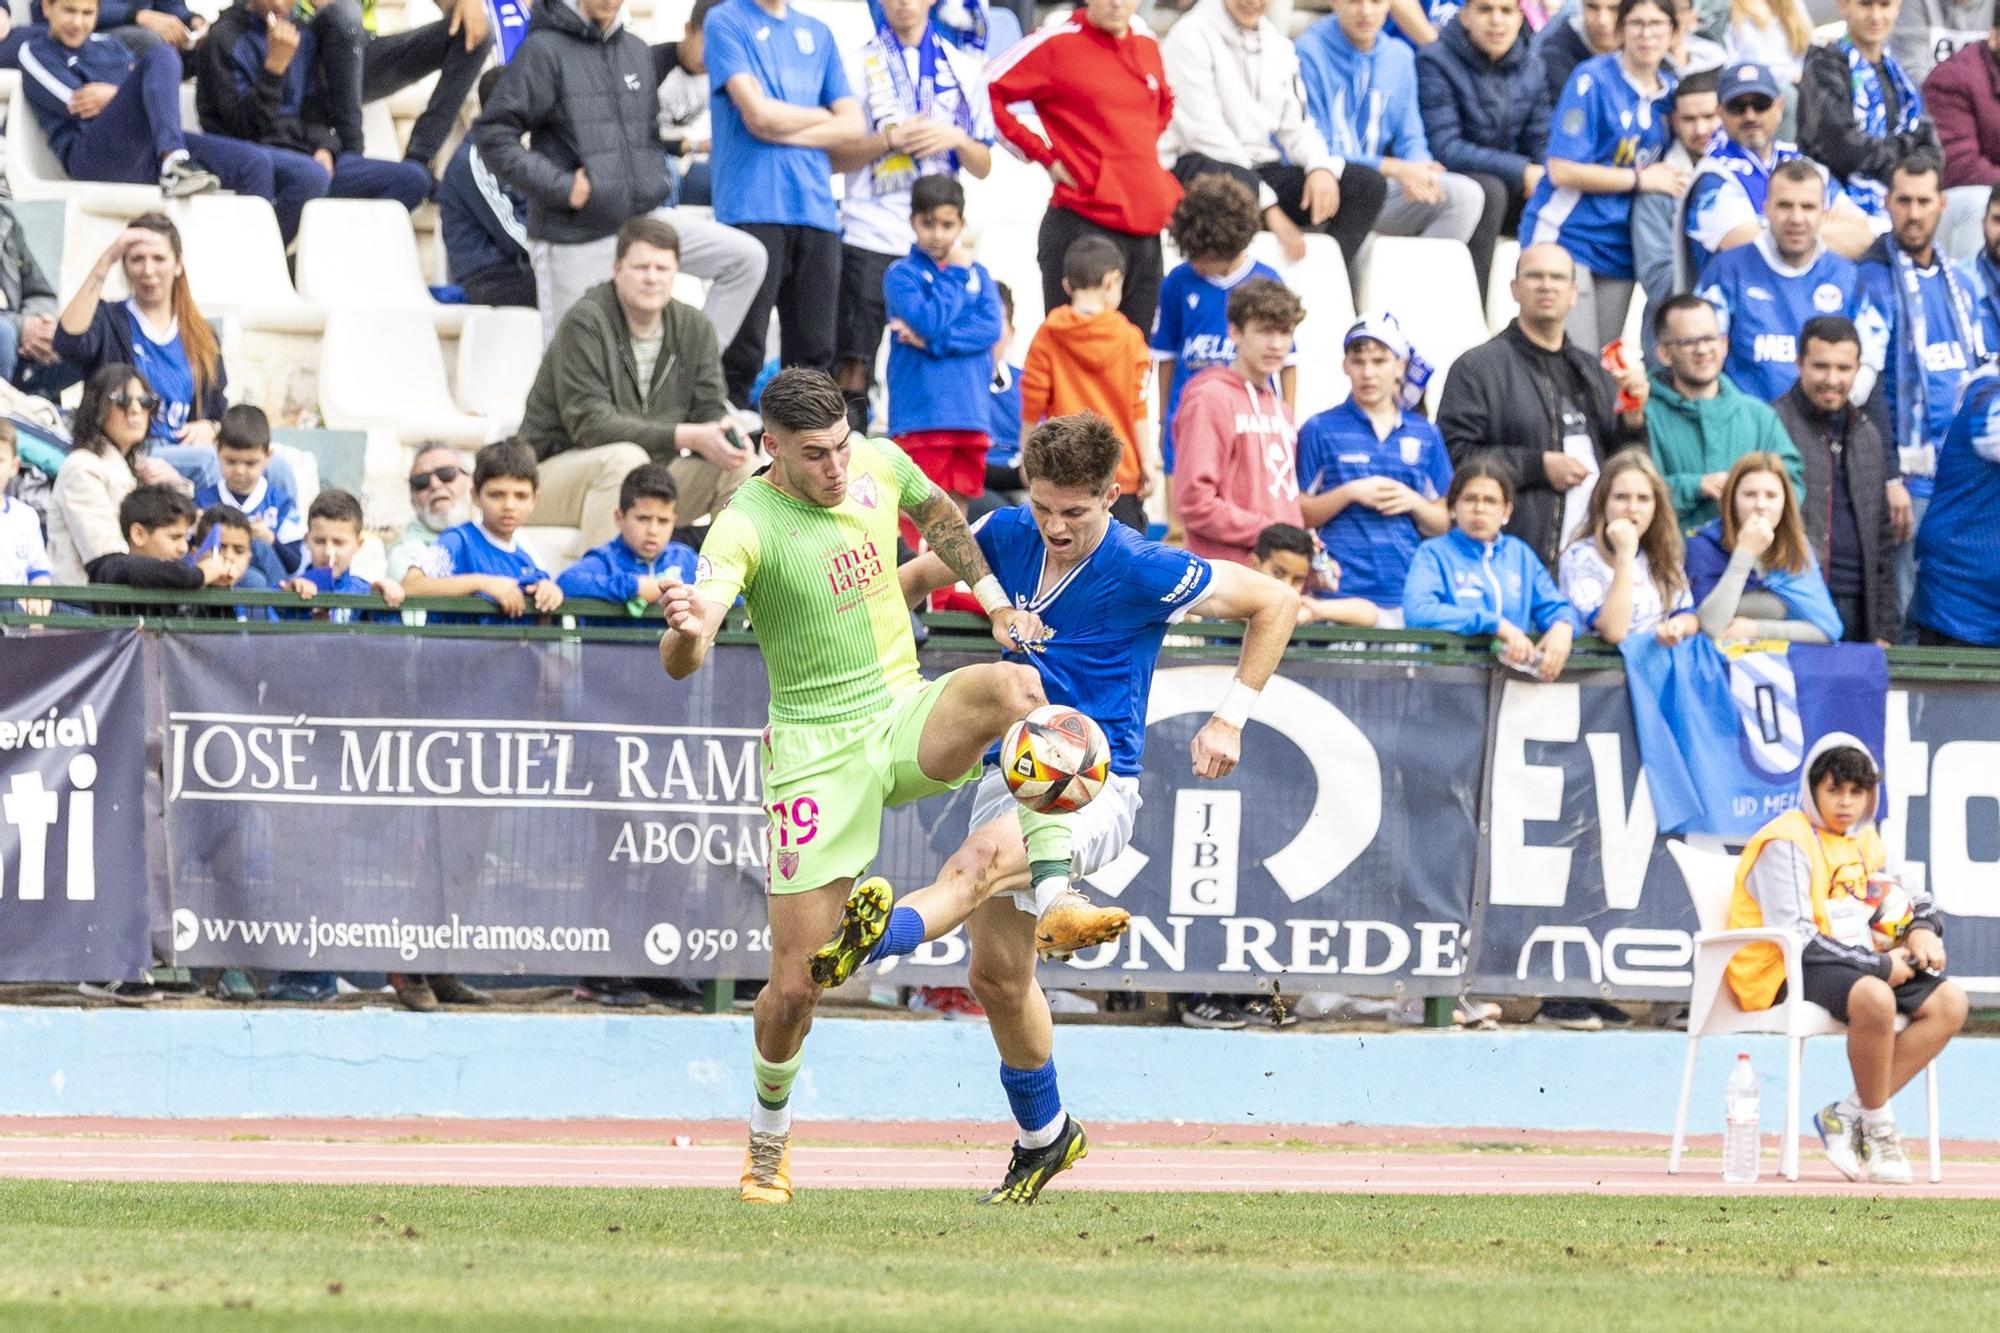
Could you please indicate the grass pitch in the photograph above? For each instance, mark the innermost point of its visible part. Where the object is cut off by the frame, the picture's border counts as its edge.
(227, 1257)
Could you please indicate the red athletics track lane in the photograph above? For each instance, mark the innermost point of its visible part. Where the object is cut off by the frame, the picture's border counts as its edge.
(631, 1154)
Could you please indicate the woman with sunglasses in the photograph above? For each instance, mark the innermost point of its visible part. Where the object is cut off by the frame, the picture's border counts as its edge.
(158, 331)
(106, 462)
(440, 495)
(1606, 140)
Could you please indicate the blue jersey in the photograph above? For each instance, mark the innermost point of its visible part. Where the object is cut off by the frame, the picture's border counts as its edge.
(466, 549)
(1340, 445)
(1946, 358)
(1191, 329)
(1981, 279)
(1764, 303)
(1958, 547)
(1109, 613)
(1602, 120)
(1003, 424)
(793, 60)
(348, 584)
(1728, 191)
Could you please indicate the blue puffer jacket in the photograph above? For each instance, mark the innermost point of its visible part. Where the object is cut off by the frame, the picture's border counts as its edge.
(1468, 587)
(1480, 114)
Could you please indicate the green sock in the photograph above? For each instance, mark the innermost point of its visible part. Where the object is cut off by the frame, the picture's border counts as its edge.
(774, 1080)
(1048, 838)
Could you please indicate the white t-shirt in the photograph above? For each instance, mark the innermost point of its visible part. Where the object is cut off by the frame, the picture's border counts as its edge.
(23, 556)
(1585, 576)
(875, 211)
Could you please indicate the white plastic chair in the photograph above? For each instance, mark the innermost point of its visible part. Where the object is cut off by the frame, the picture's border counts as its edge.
(499, 351)
(1429, 286)
(383, 368)
(236, 263)
(1500, 304)
(363, 252)
(34, 173)
(1713, 1011)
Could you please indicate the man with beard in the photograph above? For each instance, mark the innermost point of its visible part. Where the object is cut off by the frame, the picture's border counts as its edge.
(1981, 276)
(1922, 336)
(441, 495)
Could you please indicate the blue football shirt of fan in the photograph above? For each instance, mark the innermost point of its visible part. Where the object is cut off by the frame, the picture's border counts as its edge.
(793, 59)
(1339, 445)
(1191, 329)
(1602, 119)
(1764, 303)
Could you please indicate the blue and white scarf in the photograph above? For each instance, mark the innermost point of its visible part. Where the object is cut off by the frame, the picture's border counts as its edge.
(894, 96)
(1871, 114)
(1917, 450)
(960, 22)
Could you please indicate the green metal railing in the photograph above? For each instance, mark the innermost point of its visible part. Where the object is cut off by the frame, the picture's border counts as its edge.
(165, 611)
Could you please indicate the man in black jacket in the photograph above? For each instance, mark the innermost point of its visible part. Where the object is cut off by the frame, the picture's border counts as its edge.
(1542, 402)
(1860, 117)
(583, 91)
(1845, 511)
(265, 79)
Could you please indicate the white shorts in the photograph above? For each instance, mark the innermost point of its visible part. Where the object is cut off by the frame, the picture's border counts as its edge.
(1099, 831)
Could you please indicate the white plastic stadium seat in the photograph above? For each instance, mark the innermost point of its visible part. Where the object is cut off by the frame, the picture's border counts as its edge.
(1428, 285)
(362, 252)
(34, 173)
(499, 351)
(1713, 1012)
(1501, 307)
(236, 263)
(383, 368)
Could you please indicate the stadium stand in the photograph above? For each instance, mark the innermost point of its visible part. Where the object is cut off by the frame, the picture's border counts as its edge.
(381, 368)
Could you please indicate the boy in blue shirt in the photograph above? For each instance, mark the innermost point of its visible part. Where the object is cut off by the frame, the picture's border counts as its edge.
(333, 537)
(480, 558)
(635, 566)
(1372, 477)
(242, 457)
(1212, 227)
(944, 316)
(112, 117)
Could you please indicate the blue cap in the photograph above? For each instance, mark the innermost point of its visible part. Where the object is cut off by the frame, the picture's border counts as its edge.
(1745, 81)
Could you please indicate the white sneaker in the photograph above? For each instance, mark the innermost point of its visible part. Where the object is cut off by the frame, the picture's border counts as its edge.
(1888, 1163)
(1840, 1139)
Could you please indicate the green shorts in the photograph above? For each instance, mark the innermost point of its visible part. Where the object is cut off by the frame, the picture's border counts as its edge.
(825, 789)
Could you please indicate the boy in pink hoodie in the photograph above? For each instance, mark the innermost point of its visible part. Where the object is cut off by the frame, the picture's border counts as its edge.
(1236, 471)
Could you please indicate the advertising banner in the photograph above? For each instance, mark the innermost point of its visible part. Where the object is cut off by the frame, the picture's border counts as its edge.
(72, 823)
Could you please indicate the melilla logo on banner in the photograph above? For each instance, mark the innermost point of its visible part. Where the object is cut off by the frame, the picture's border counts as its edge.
(1723, 733)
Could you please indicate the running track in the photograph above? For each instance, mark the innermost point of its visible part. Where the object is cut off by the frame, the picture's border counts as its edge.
(629, 1154)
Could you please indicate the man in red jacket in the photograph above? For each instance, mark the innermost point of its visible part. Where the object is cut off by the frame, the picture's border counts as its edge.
(1962, 95)
(1101, 92)
(1237, 466)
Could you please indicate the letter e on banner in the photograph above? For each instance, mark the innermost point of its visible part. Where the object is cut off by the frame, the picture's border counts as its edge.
(1523, 875)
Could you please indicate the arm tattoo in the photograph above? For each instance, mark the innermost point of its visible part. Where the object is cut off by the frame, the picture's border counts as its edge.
(950, 539)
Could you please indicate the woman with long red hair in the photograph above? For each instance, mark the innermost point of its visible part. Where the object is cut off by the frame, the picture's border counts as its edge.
(159, 331)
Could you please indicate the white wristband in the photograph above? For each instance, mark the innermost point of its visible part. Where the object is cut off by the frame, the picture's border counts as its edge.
(1236, 704)
(992, 597)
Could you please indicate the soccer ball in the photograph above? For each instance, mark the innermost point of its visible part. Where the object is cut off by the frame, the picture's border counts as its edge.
(1055, 759)
(1894, 910)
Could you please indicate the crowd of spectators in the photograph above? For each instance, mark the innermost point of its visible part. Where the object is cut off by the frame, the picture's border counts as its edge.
(1802, 447)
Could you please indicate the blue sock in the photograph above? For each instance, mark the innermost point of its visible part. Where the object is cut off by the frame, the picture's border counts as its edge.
(902, 935)
(1032, 1093)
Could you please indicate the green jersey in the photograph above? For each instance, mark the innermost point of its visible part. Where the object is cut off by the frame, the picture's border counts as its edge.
(820, 584)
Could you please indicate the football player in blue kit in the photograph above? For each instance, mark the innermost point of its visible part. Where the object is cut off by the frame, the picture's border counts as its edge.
(1107, 596)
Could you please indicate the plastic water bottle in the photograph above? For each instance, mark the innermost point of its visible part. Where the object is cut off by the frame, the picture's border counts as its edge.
(1740, 1143)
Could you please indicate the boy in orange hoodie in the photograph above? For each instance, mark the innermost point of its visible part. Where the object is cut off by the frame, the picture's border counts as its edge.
(1087, 357)
(1235, 443)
